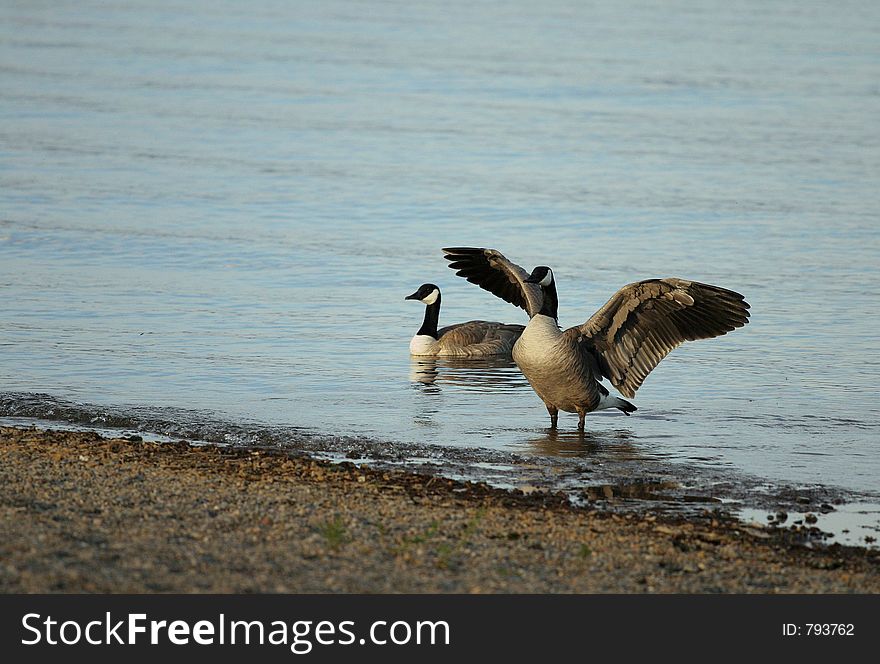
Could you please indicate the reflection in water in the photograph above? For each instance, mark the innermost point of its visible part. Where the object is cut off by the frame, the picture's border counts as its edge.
(424, 370)
(484, 374)
(621, 444)
(459, 378)
(423, 373)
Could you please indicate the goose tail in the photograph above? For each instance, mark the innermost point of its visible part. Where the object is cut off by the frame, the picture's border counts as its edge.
(624, 406)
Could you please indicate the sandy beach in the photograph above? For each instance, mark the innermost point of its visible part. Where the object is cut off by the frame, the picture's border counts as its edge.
(80, 513)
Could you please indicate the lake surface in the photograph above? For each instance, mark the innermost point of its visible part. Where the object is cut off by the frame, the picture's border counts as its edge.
(212, 211)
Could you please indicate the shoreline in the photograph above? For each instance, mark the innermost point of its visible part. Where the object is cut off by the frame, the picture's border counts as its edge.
(82, 513)
(614, 475)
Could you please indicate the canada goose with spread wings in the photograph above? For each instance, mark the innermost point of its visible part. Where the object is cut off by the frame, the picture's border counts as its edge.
(623, 341)
(476, 338)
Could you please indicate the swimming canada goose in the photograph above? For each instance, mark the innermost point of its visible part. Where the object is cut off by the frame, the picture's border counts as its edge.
(623, 341)
(476, 338)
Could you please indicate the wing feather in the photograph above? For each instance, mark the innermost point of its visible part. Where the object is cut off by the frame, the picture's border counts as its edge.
(478, 338)
(491, 271)
(644, 321)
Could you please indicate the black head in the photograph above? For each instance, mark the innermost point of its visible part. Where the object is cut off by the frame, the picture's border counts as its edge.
(427, 293)
(541, 275)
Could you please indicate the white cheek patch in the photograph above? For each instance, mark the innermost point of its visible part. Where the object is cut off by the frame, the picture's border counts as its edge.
(548, 278)
(432, 298)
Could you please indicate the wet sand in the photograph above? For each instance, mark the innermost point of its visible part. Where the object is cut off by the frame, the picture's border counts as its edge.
(80, 513)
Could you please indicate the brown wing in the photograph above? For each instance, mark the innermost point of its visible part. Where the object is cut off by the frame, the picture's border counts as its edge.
(478, 338)
(643, 322)
(490, 270)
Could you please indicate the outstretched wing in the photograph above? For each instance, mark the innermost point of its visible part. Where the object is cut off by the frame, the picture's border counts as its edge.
(490, 270)
(643, 322)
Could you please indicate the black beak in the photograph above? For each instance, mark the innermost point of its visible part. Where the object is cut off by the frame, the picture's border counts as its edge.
(414, 296)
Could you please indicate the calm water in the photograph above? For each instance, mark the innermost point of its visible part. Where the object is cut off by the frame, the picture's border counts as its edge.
(218, 207)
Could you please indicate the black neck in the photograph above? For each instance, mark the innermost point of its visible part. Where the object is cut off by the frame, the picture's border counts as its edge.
(549, 303)
(432, 316)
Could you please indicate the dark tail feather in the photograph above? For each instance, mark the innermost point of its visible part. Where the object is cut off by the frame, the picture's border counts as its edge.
(625, 407)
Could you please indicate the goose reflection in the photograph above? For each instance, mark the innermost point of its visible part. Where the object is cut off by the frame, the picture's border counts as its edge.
(619, 445)
(424, 370)
(484, 375)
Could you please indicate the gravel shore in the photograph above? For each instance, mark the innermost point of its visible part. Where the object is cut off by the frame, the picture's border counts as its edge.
(80, 513)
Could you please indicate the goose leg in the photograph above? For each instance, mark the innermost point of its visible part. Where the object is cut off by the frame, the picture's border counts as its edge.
(554, 415)
(581, 415)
